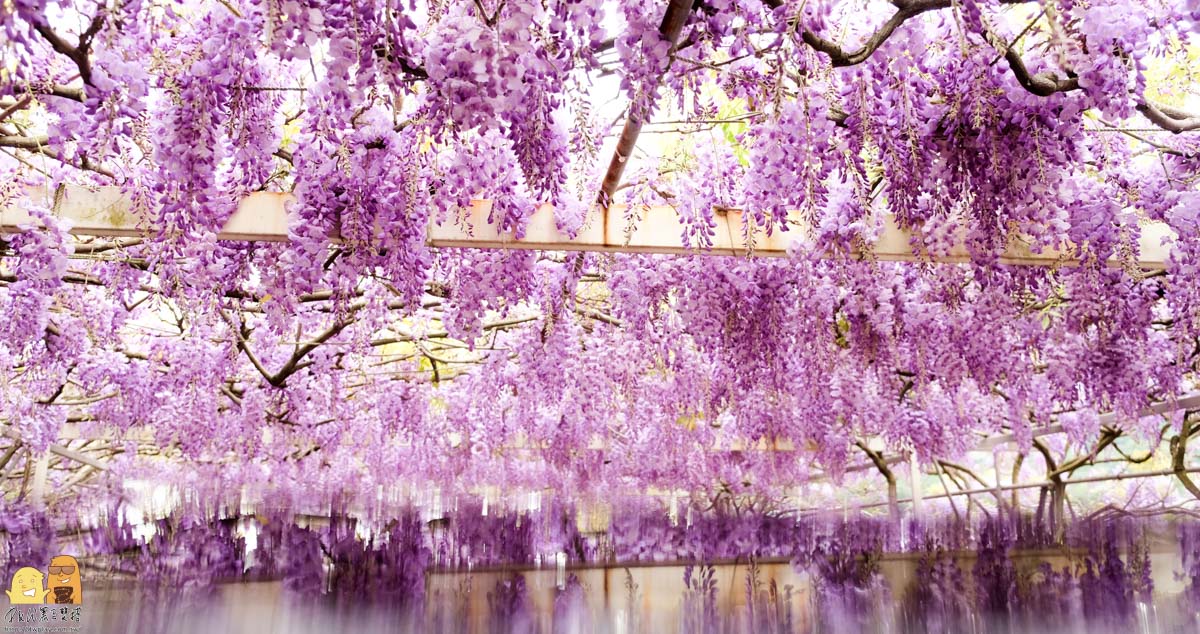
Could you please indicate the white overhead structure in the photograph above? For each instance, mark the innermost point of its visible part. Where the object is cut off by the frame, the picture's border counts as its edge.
(1184, 402)
(263, 216)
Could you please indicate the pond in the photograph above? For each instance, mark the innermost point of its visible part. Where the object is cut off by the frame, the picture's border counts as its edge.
(632, 569)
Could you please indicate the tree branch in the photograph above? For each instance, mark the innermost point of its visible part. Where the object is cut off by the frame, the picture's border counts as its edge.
(841, 57)
(882, 465)
(1169, 119)
(1041, 84)
(33, 143)
(1179, 457)
(240, 339)
(78, 53)
(1106, 439)
(293, 364)
(38, 144)
(670, 29)
(1047, 83)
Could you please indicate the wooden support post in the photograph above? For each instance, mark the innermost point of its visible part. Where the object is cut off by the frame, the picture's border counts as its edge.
(915, 476)
(37, 491)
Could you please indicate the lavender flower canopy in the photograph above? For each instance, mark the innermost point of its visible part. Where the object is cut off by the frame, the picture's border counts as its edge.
(375, 365)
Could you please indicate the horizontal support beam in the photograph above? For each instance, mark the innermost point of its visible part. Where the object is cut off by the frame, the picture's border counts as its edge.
(60, 451)
(1109, 419)
(1116, 477)
(262, 216)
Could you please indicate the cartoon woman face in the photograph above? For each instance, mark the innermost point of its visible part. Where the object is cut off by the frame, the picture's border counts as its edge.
(64, 580)
(27, 587)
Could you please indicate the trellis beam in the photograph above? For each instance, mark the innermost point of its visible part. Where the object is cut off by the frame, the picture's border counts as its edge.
(1114, 477)
(1185, 402)
(59, 450)
(263, 216)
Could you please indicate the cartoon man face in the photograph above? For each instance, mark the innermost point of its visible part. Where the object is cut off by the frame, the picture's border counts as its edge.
(27, 587)
(64, 580)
